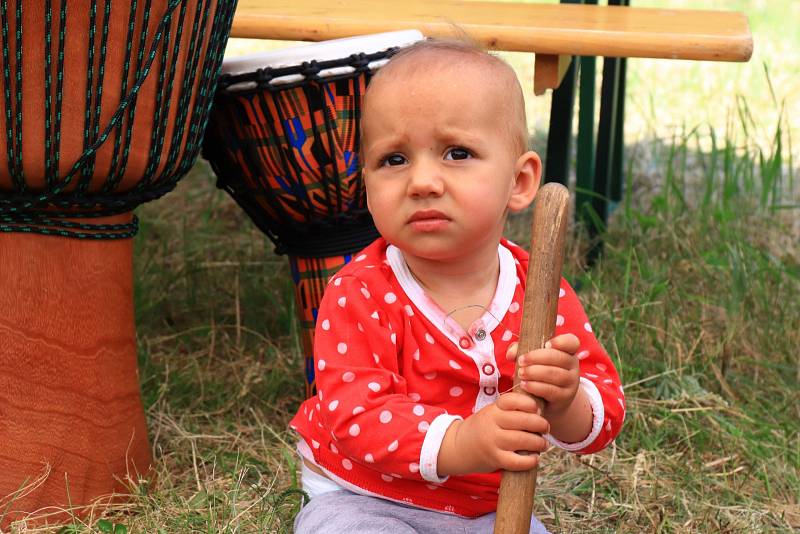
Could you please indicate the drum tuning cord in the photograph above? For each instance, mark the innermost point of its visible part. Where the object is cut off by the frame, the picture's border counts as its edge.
(170, 117)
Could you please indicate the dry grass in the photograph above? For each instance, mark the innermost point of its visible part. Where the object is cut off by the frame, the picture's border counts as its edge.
(698, 313)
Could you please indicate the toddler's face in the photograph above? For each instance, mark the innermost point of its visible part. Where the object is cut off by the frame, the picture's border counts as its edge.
(439, 162)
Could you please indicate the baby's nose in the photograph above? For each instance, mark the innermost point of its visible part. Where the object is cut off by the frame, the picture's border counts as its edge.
(425, 180)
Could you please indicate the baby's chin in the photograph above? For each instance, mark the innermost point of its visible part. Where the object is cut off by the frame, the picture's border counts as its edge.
(430, 253)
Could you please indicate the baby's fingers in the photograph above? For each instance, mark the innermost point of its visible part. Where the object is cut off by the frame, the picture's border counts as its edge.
(511, 353)
(568, 343)
(522, 441)
(512, 461)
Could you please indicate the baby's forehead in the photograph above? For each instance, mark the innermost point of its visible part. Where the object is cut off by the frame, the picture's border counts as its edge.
(443, 74)
(443, 63)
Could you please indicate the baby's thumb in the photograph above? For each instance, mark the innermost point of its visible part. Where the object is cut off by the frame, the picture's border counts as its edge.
(511, 353)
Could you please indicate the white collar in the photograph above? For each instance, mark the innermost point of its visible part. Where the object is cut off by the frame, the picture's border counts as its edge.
(491, 317)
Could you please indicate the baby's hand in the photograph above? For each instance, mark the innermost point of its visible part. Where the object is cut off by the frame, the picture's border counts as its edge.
(493, 437)
(551, 373)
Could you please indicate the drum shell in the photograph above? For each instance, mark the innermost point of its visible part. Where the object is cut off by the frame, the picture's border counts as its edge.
(289, 154)
(72, 428)
(157, 149)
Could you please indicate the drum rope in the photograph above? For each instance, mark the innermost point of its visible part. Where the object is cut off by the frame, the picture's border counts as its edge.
(42, 212)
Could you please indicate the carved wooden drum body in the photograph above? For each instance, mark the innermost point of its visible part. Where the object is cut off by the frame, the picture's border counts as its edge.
(103, 107)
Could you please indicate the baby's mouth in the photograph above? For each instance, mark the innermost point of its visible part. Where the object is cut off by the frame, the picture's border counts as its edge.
(428, 220)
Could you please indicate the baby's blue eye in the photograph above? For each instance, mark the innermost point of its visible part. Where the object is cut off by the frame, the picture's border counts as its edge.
(393, 160)
(457, 154)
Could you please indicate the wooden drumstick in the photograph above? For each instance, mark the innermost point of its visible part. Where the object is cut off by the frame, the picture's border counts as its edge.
(548, 235)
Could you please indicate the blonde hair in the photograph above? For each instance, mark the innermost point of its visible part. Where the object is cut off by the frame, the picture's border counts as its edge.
(466, 49)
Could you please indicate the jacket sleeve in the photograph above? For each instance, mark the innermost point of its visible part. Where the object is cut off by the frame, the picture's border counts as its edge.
(599, 377)
(364, 402)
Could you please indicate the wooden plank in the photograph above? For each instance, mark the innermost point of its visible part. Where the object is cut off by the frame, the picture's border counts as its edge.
(548, 71)
(554, 29)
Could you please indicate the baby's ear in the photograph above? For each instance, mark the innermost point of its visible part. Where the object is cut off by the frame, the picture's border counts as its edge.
(528, 176)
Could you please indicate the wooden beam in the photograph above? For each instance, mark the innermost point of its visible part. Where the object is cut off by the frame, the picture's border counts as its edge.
(548, 71)
(551, 29)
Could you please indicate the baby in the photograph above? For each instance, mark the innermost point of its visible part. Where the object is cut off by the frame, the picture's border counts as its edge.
(415, 414)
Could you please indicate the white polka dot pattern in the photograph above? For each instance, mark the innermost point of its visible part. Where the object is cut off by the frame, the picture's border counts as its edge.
(388, 371)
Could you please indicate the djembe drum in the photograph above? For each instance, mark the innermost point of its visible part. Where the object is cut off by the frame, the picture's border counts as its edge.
(283, 140)
(104, 106)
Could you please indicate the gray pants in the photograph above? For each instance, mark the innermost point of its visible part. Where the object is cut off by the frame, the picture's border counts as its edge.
(345, 512)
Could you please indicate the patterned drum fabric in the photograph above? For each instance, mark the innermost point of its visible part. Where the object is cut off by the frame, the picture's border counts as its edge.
(310, 276)
(283, 139)
(319, 125)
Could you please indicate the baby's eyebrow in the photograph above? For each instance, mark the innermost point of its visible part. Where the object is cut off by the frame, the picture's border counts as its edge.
(456, 135)
(384, 145)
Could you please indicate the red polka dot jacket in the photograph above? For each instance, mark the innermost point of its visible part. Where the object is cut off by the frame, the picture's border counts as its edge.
(393, 371)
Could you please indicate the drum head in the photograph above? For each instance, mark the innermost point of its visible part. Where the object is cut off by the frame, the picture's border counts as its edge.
(322, 51)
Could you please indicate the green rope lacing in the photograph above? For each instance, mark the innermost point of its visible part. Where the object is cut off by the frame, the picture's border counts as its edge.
(43, 212)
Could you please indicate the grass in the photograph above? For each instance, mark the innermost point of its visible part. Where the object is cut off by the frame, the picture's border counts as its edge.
(695, 297)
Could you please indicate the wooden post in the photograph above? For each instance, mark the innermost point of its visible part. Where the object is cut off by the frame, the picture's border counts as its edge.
(548, 235)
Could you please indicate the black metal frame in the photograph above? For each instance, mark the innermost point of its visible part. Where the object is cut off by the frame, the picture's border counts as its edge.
(599, 167)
